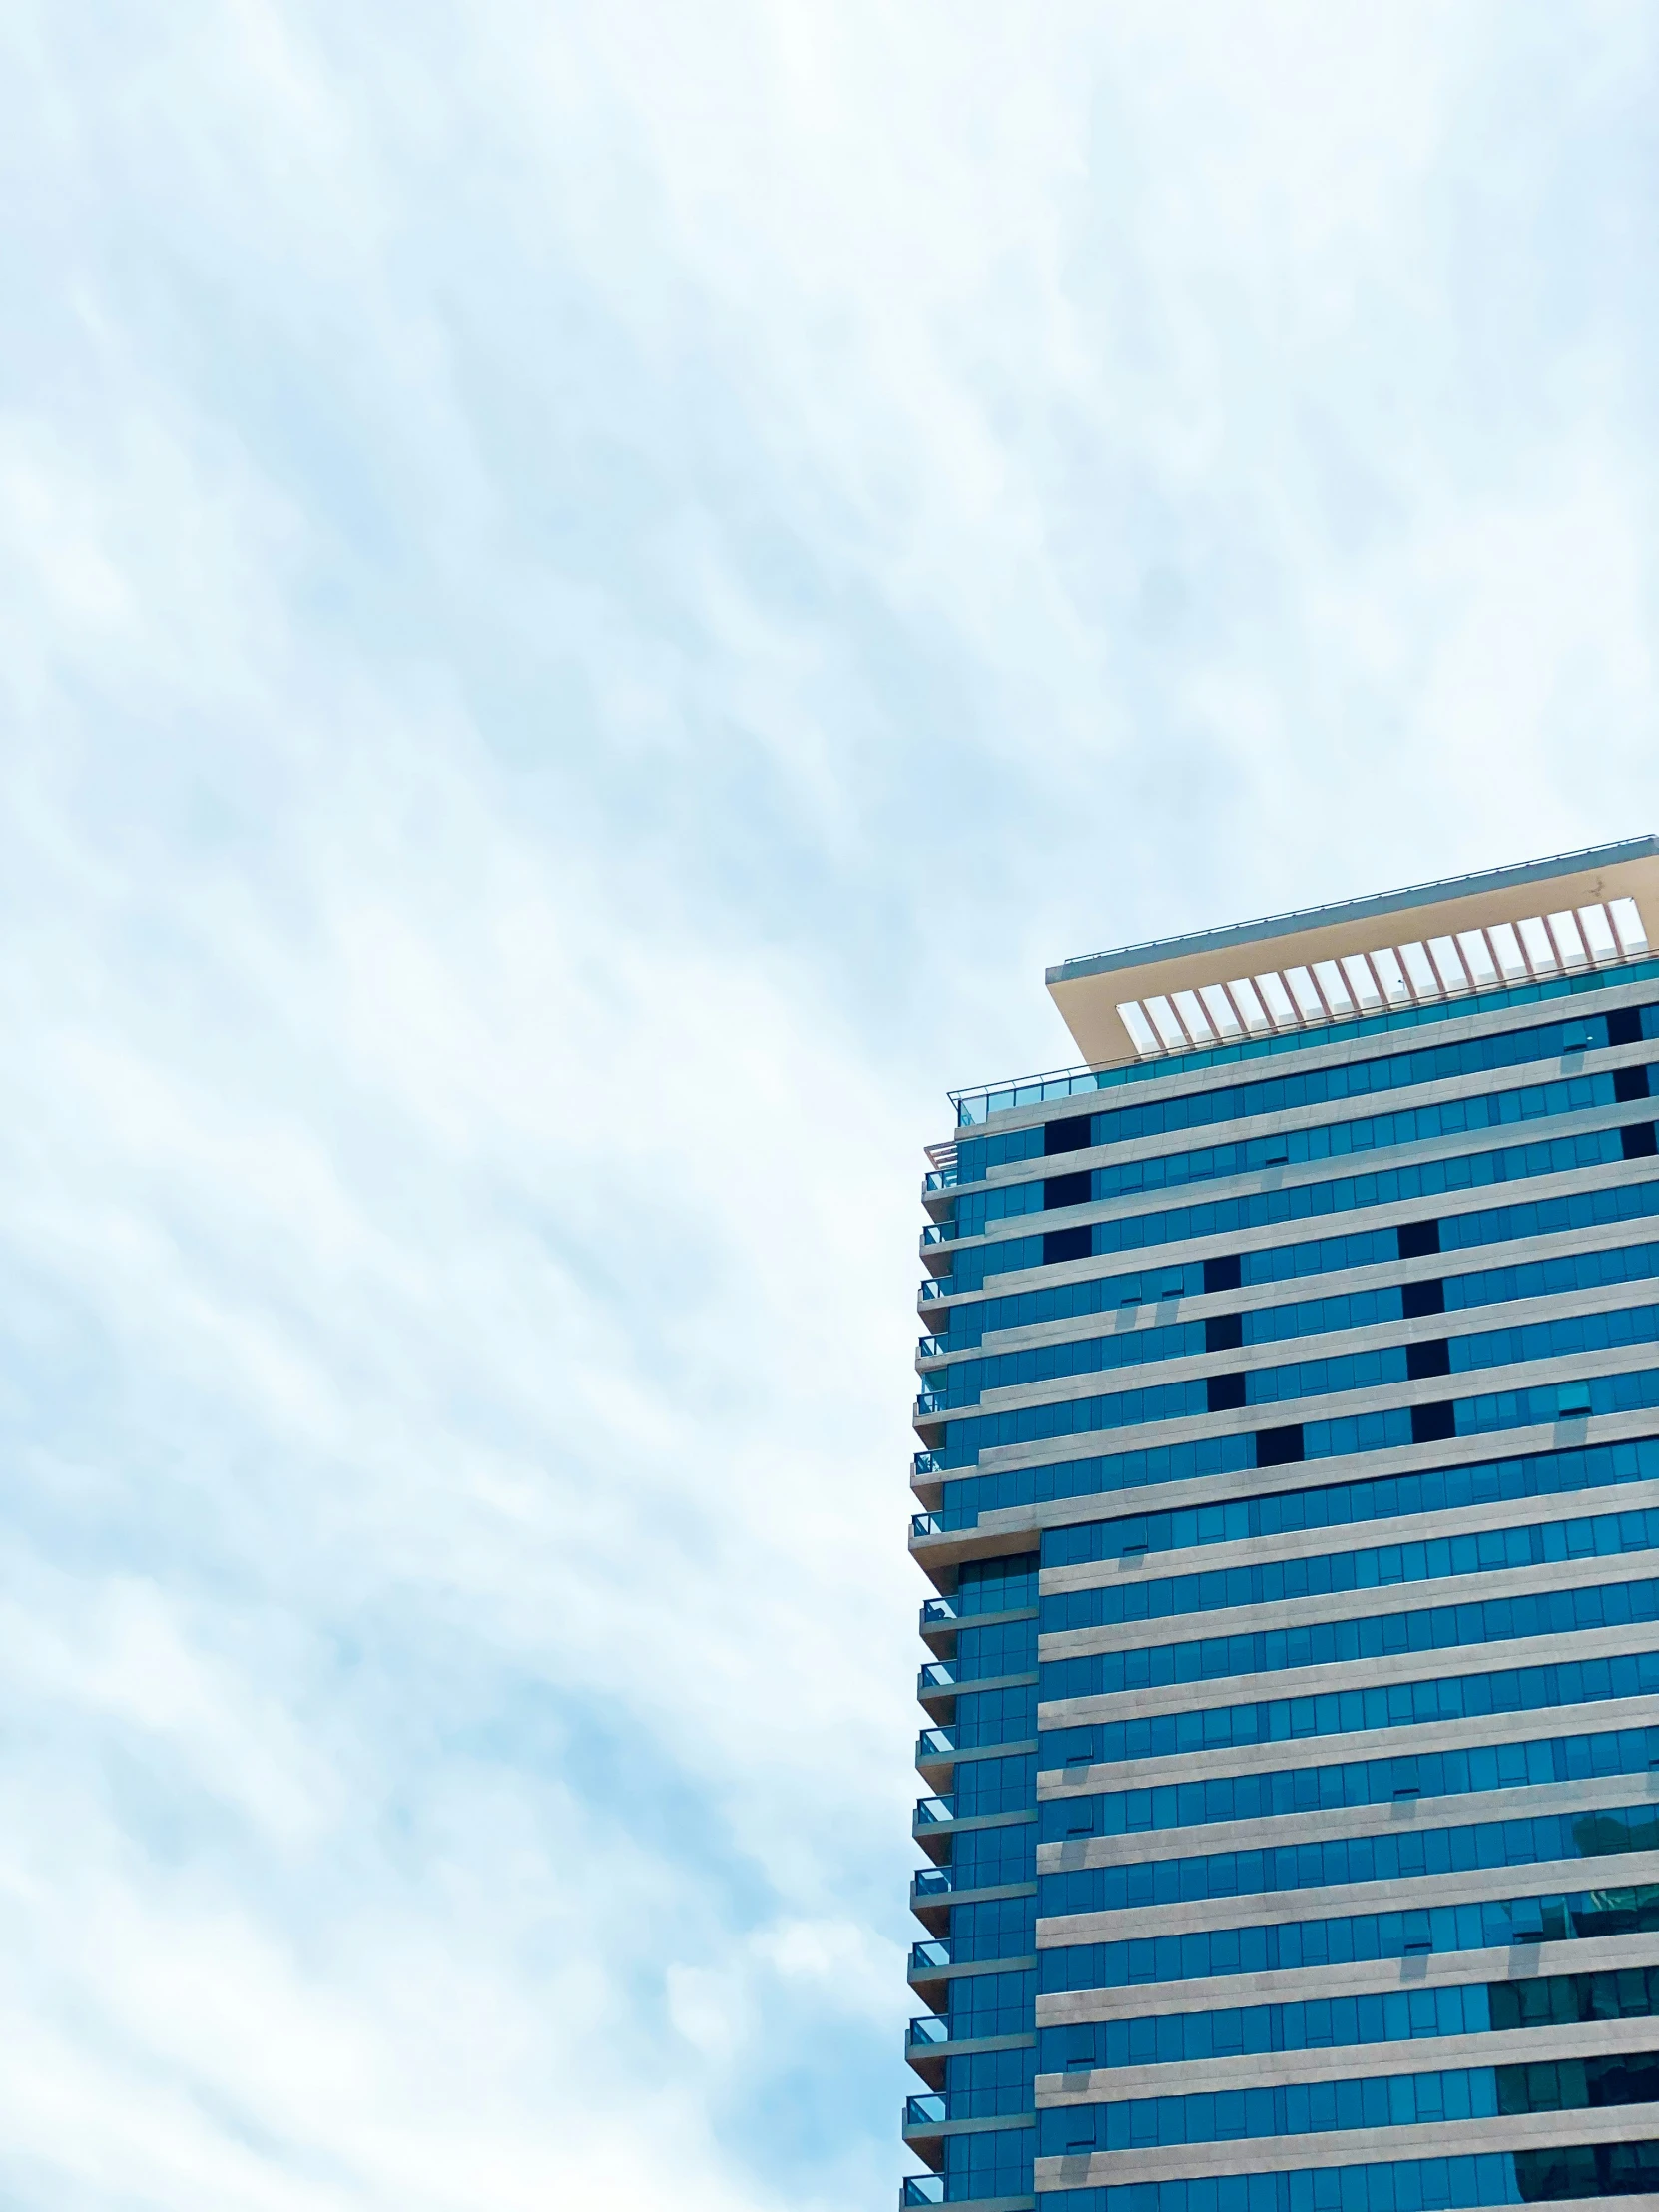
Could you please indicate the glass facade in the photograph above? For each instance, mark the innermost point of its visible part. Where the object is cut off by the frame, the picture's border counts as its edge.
(1310, 1713)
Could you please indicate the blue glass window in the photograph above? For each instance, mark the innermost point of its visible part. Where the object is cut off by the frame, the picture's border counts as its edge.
(969, 1495)
(987, 2084)
(1561, 1337)
(961, 1383)
(1387, 2100)
(1494, 1924)
(1395, 1855)
(1305, 1201)
(994, 1784)
(989, 1857)
(1346, 1505)
(1327, 1643)
(996, 2163)
(1295, 1147)
(984, 2004)
(996, 1717)
(1367, 1781)
(1006, 1647)
(1556, 2174)
(1001, 1927)
(1277, 1094)
(996, 1585)
(1385, 1566)
(1340, 2022)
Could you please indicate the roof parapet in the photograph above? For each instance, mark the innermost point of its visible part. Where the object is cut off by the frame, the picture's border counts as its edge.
(1576, 911)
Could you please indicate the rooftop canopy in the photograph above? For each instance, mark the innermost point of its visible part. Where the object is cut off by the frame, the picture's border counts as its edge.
(1333, 963)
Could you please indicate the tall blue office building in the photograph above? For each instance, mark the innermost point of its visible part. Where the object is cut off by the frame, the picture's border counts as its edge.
(1290, 1485)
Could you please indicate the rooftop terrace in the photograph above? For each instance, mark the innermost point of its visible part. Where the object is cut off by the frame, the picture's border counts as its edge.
(1544, 918)
(1517, 934)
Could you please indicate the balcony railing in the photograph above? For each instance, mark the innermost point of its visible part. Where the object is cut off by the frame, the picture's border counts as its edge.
(936, 1953)
(929, 2189)
(935, 1744)
(932, 1347)
(938, 1675)
(926, 1463)
(926, 1524)
(938, 1612)
(929, 1403)
(923, 2111)
(938, 1231)
(933, 1882)
(922, 2033)
(935, 1285)
(931, 1810)
(939, 1179)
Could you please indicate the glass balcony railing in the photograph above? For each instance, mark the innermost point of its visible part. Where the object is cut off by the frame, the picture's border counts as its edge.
(922, 2189)
(938, 1674)
(937, 1233)
(926, 1524)
(931, 1810)
(934, 1952)
(939, 1179)
(923, 2111)
(938, 1612)
(935, 1744)
(935, 1285)
(926, 1463)
(933, 1882)
(929, 1403)
(924, 2032)
(932, 1347)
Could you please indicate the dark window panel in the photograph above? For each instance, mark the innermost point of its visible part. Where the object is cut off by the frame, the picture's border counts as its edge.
(1432, 1424)
(1070, 1135)
(1066, 1244)
(1277, 1447)
(1066, 1190)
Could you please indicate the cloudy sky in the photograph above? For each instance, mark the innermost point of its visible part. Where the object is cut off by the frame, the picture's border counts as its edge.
(588, 593)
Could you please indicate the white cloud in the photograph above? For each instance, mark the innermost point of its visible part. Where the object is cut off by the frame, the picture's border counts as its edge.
(584, 596)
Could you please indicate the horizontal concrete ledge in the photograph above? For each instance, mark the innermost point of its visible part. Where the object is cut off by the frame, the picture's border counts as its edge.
(1360, 2062)
(1264, 1236)
(971, 1967)
(1452, 1144)
(968, 2046)
(1026, 1521)
(1581, 1572)
(991, 2124)
(1263, 1908)
(1018, 1529)
(1372, 1977)
(1283, 1121)
(1531, 1726)
(1028, 2203)
(1588, 1796)
(1366, 1535)
(1360, 2146)
(1333, 1677)
(1325, 1344)
(1303, 1413)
